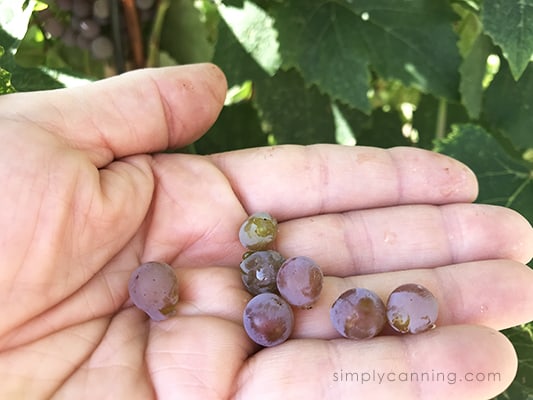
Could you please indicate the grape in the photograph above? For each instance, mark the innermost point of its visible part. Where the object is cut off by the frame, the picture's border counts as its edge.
(411, 308)
(259, 271)
(268, 319)
(102, 48)
(144, 4)
(82, 42)
(65, 5)
(53, 27)
(358, 314)
(153, 288)
(299, 281)
(81, 8)
(101, 9)
(69, 37)
(89, 28)
(258, 231)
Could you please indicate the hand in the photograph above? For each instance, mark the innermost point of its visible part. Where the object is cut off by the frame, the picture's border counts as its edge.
(86, 199)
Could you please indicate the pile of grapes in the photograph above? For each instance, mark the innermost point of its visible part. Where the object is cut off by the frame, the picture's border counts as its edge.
(279, 284)
(90, 24)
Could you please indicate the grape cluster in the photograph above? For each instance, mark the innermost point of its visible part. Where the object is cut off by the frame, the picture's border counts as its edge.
(276, 283)
(86, 24)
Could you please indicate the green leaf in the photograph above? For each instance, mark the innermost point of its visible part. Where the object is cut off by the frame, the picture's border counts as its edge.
(509, 106)
(503, 180)
(293, 113)
(184, 36)
(334, 43)
(426, 119)
(237, 127)
(22, 78)
(14, 18)
(233, 59)
(473, 71)
(5, 82)
(383, 130)
(510, 25)
(253, 28)
(522, 386)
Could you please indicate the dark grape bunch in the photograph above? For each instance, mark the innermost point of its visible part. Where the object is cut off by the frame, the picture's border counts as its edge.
(275, 282)
(153, 288)
(88, 24)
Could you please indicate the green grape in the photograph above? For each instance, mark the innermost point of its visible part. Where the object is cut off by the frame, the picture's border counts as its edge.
(258, 231)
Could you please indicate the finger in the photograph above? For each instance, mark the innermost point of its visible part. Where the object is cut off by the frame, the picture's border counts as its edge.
(441, 364)
(407, 237)
(494, 293)
(138, 112)
(291, 181)
(197, 358)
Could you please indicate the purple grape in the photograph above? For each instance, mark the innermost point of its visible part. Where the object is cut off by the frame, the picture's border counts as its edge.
(299, 281)
(358, 314)
(144, 4)
(259, 270)
(81, 8)
(153, 288)
(102, 48)
(101, 9)
(53, 27)
(69, 37)
(258, 231)
(89, 28)
(65, 5)
(268, 319)
(411, 308)
(82, 42)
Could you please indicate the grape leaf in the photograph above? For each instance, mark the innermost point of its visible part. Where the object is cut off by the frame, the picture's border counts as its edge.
(473, 71)
(509, 106)
(253, 28)
(237, 127)
(503, 180)
(184, 36)
(232, 58)
(522, 386)
(292, 112)
(384, 130)
(13, 25)
(510, 25)
(334, 43)
(5, 82)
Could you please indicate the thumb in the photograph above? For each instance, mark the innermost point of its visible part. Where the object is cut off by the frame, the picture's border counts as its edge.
(142, 111)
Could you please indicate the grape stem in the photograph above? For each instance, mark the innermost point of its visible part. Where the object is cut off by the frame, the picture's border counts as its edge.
(134, 32)
(440, 129)
(152, 59)
(120, 64)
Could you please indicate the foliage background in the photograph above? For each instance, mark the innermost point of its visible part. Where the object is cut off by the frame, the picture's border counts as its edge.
(454, 76)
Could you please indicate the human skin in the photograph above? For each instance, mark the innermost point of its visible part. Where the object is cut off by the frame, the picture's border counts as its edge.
(88, 196)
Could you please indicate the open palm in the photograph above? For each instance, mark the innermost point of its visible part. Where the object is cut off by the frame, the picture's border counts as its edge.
(86, 199)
